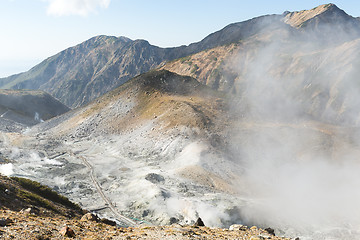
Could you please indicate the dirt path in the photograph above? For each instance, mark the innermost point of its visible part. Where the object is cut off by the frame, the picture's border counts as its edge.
(121, 218)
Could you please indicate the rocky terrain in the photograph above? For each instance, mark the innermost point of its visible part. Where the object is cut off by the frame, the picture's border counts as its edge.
(257, 124)
(29, 210)
(308, 75)
(24, 226)
(164, 148)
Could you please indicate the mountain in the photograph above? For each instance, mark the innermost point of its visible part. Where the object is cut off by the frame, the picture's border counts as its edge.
(315, 70)
(257, 124)
(325, 21)
(23, 108)
(140, 129)
(79, 74)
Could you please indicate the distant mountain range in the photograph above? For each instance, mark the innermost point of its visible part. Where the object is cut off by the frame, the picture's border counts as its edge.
(82, 73)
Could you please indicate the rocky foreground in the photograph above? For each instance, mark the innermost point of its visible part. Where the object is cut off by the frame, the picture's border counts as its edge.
(29, 210)
(26, 225)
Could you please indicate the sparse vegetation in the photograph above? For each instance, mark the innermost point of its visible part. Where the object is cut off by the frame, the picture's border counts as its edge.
(44, 192)
(194, 69)
(35, 199)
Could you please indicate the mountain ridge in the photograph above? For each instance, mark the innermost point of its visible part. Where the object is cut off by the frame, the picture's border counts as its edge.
(81, 73)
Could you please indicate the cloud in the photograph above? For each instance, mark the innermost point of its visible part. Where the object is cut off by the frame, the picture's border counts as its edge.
(75, 7)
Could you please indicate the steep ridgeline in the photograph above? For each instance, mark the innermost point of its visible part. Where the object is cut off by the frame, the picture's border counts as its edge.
(326, 23)
(80, 74)
(88, 70)
(22, 108)
(307, 72)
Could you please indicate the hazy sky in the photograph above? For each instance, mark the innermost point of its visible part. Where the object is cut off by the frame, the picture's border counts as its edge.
(32, 30)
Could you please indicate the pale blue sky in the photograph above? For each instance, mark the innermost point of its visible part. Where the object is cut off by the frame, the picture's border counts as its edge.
(32, 30)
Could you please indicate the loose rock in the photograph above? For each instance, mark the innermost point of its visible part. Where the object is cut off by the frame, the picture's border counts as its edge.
(89, 217)
(238, 227)
(5, 222)
(199, 223)
(154, 178)
(270, 231)
(108, 222)
(67, 232)
(31, 210)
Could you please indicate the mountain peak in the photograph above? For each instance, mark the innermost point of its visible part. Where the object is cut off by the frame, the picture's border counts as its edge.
(298, 18)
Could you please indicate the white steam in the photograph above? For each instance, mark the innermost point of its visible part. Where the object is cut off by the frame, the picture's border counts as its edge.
(302, 173)
(75, 7)
(6, 169)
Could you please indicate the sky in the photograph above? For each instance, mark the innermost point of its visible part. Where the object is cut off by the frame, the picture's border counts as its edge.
(33, 30)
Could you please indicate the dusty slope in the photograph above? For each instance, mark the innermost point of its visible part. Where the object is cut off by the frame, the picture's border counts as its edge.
(164, 148)
(145, 127)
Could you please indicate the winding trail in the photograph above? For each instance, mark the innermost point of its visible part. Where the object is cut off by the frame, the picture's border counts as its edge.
(3, 115)
(121, 218)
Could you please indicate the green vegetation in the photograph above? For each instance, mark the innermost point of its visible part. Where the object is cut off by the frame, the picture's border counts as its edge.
(34, 199)
(194, 69)
(184, 59)
(43, 191)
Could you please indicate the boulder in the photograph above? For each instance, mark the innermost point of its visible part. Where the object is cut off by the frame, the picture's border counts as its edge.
(5, 222)
(89, 217)
(257, 238)
(108, 222)
(199, 223)
(31, 210)
(270, 231)
(67, 232)
(154, 178)
(238, 227)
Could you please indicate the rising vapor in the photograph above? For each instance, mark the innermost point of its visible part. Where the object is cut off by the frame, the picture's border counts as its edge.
(75, 7)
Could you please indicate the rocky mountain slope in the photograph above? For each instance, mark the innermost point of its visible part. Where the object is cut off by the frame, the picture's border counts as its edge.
(315, 75)
(164, 148)
(262, 131)
(140, 129)
(80, 74)
(24, 108)
(88, 70)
